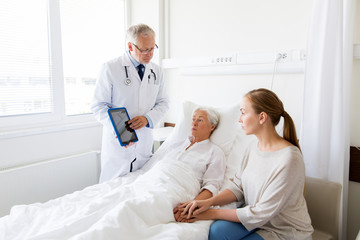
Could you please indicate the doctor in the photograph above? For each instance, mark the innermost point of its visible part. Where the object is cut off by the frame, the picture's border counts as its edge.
(130, 81)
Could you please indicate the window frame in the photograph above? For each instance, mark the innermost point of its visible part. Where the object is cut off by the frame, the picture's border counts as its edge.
(16, 124)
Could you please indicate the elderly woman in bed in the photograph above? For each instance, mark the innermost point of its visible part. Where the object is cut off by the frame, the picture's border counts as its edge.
(207, 160)
(141, 208)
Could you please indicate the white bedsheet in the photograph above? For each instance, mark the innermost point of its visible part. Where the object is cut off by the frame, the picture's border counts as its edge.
(127, 208)
(133, 206)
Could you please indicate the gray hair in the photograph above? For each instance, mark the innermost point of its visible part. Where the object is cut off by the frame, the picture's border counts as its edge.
(213, 116)
(135, 31)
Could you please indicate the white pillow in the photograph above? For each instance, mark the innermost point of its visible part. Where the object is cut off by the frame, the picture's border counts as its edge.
(224, 134)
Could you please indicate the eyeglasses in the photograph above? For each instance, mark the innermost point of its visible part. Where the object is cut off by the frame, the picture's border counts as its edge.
(146, 51)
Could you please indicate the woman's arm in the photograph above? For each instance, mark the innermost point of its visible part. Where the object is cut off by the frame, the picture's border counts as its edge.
(205, 194)
(215, 214)
(196, 207)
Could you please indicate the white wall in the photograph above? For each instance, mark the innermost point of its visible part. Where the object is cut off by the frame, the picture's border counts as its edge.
(210, 27)
(49, 143)
(207, 27)
(226, 90)
(41, 144)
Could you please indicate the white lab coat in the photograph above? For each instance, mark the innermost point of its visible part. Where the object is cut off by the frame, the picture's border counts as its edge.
(146, 97)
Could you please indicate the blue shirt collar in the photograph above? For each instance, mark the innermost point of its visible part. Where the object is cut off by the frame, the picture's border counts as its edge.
(136, 63)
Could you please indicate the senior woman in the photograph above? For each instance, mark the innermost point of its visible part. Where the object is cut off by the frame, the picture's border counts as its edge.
(193, 168)
(206, 159)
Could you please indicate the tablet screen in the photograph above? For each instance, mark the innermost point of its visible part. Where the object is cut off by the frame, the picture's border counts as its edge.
(119, 118)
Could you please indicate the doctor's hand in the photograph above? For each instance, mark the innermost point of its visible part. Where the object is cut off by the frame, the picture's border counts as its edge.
(129, 145)
(138, 122)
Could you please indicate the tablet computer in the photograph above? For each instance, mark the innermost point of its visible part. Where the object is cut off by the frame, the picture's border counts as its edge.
(119, 118)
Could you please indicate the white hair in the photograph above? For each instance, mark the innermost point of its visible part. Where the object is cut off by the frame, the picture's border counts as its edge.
(213, 116)
(135, 31)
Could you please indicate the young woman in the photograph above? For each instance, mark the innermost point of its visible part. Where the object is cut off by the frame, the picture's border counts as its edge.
(269, 182)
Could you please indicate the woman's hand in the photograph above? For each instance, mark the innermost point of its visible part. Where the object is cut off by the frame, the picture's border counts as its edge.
(178, 212)
(195, 207)
(206, 215)
(181, 212)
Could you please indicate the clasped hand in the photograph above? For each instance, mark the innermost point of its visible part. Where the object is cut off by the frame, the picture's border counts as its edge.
(191, 211)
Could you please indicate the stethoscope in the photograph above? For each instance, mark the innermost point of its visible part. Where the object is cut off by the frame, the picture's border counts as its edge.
(128, 80)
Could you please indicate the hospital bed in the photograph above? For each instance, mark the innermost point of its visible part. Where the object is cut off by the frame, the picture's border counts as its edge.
(102, 211)
(94, 213)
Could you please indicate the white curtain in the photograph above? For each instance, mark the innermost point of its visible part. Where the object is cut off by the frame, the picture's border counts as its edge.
(325, 134)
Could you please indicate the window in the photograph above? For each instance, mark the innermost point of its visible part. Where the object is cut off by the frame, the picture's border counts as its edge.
(92, 32)
(51, 52)
(25, 83)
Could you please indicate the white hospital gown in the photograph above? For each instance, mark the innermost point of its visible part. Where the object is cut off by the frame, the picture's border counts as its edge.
(206, 159)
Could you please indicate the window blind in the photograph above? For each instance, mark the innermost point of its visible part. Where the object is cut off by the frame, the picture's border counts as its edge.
(25, 83)
(91, 33)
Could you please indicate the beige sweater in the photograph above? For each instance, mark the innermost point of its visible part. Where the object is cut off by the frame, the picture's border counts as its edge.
(271, 186)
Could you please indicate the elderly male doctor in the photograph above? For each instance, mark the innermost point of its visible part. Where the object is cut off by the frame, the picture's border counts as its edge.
(133, 82)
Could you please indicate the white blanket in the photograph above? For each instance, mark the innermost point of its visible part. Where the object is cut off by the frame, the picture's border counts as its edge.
(121, 209)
